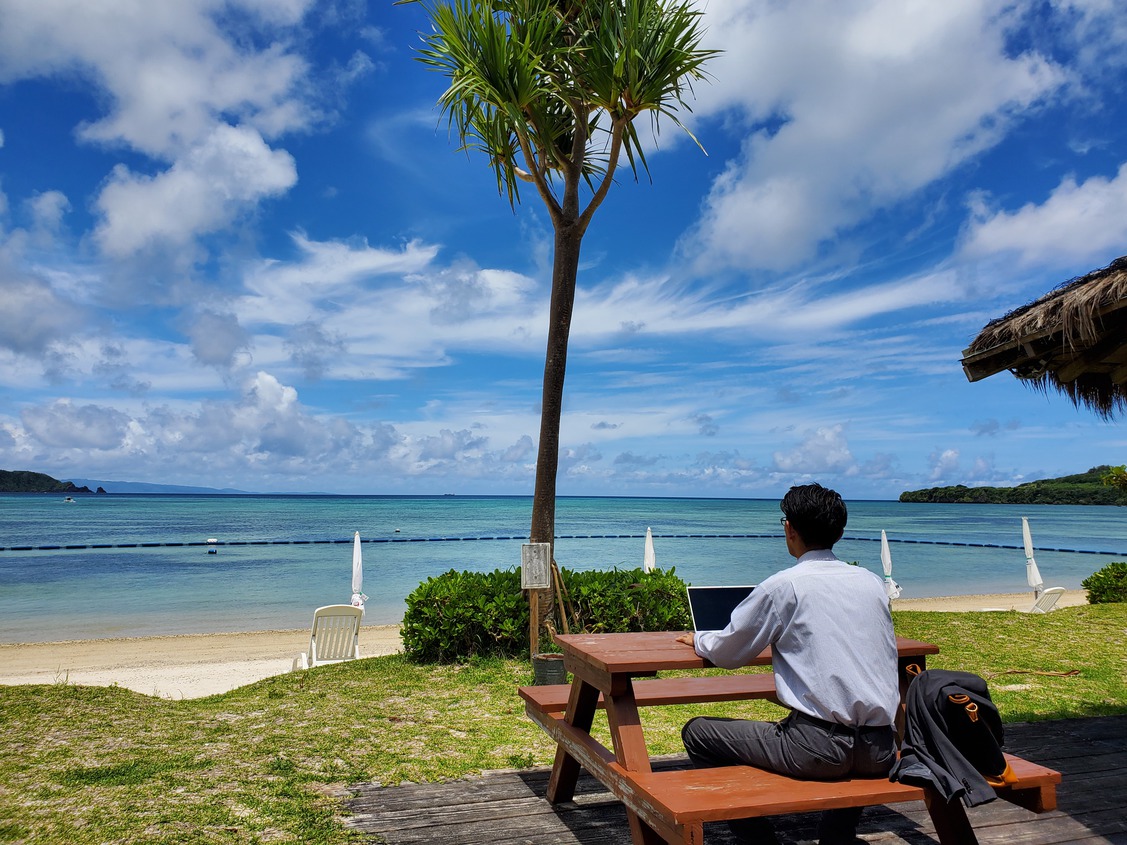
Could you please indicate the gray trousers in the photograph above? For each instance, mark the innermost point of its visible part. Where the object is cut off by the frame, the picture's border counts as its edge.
(799, 746)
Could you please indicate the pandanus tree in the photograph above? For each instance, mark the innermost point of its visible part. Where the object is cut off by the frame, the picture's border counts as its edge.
(549, 91)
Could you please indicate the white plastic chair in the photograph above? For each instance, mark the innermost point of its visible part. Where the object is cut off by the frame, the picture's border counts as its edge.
(1047, 600)
(334, 638)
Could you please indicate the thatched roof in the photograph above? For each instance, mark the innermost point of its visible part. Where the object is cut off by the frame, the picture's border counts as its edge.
(1073, 339)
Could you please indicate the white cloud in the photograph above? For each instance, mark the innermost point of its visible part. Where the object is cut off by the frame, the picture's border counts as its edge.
(34, 314)
(371, 312)
(66, 425)
(168, 71)
(359, 65)
(90, 359)
(312, 348)
(1099, 32)
(824, 450)
(983, 469)
(944, 464)
(47, 210)
(326, 273)
(230, 170)
(521, 451)
(852, 107)
(450, 445)
(992, 427)
(217, 338)
(1078, 223)
(263, 432)
(657, 306)
(177, 88)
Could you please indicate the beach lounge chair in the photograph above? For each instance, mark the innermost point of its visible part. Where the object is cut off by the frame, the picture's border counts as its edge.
(334, 638)
(1047, 600)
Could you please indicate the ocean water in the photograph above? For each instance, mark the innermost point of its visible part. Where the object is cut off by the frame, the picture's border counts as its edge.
(282, 556)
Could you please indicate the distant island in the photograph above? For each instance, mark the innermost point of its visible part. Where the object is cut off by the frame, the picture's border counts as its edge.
(151, 487)
(1086, 488)
(37, 482)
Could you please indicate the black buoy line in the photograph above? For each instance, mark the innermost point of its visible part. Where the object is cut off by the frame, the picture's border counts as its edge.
(214, 543)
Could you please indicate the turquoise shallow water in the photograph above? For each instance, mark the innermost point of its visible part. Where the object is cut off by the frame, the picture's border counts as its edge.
(297, 553)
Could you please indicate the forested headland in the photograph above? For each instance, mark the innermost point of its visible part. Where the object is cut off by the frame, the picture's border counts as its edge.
(22, 481)
(1086, 488)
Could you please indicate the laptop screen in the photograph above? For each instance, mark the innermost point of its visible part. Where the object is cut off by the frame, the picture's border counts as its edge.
(711, 607)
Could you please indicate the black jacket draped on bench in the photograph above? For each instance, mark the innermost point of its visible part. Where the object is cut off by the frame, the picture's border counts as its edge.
(946, 745)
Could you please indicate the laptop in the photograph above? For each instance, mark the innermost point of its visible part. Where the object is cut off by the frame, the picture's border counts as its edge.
(711, 607)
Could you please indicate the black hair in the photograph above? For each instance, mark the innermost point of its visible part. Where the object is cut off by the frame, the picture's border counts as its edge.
(817, 513)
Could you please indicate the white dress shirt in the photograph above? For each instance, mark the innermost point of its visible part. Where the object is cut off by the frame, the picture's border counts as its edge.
(830, 631)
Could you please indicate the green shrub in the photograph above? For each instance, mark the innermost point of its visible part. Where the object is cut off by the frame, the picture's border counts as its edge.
(459, 615)
(1108, 584)
(465, 614)
(628, 600)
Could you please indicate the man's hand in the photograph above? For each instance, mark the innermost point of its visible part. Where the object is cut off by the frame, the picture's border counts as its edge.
(688, 640)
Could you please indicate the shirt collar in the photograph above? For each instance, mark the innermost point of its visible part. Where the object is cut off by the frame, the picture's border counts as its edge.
(818, 555)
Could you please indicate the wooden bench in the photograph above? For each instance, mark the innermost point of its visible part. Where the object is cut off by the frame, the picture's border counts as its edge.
(650, 692)
(676, 804)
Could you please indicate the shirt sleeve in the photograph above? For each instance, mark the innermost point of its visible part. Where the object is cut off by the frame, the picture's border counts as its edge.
(755, 624)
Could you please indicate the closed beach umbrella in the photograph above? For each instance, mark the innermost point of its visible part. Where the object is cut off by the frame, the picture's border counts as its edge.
(358, 597)
(649, 559)
(1032, 575)
(890, 586)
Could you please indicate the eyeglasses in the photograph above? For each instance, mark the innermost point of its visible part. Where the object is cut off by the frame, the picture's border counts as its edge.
(782, 520)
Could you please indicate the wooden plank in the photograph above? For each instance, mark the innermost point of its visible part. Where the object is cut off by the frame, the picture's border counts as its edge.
(579, 716)
(1092, 808)
(634, 653)
(910, 823)
(647, 652)
(630, 750)
(408, 798)
(1106, 732)
(522, 824)
(600, 762)
(741, 791)
(1083, 762)
(1050, 829)
(626, 732)
(1097, 791)
(587, 751)
(553, 698)
(950, 819)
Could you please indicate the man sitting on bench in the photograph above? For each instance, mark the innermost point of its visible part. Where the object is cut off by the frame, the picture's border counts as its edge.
(834, 654)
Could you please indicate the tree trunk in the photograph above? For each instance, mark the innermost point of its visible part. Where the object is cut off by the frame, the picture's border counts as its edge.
(565, 268)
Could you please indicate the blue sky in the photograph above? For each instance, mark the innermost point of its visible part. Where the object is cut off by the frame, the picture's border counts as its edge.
(238, 248)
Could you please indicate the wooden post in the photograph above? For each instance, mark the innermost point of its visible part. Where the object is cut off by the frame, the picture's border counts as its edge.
(535, 574)
(533, 622)
(561, 598)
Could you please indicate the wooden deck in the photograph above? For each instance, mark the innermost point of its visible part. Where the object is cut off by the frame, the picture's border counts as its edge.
(508, 807)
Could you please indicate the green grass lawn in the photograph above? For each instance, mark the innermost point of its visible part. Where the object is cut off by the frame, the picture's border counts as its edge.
(272, 761)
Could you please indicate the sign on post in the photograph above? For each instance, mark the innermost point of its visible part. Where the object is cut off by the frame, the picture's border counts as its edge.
(535, 568)
(535, 574)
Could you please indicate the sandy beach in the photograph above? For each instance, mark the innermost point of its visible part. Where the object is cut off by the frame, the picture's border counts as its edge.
(189, 666)
(989, 601)
(194, 666)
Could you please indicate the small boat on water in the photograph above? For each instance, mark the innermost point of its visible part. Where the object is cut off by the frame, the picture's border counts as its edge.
(69, 500)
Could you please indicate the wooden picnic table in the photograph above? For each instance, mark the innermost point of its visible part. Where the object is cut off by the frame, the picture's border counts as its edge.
(604, 667)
